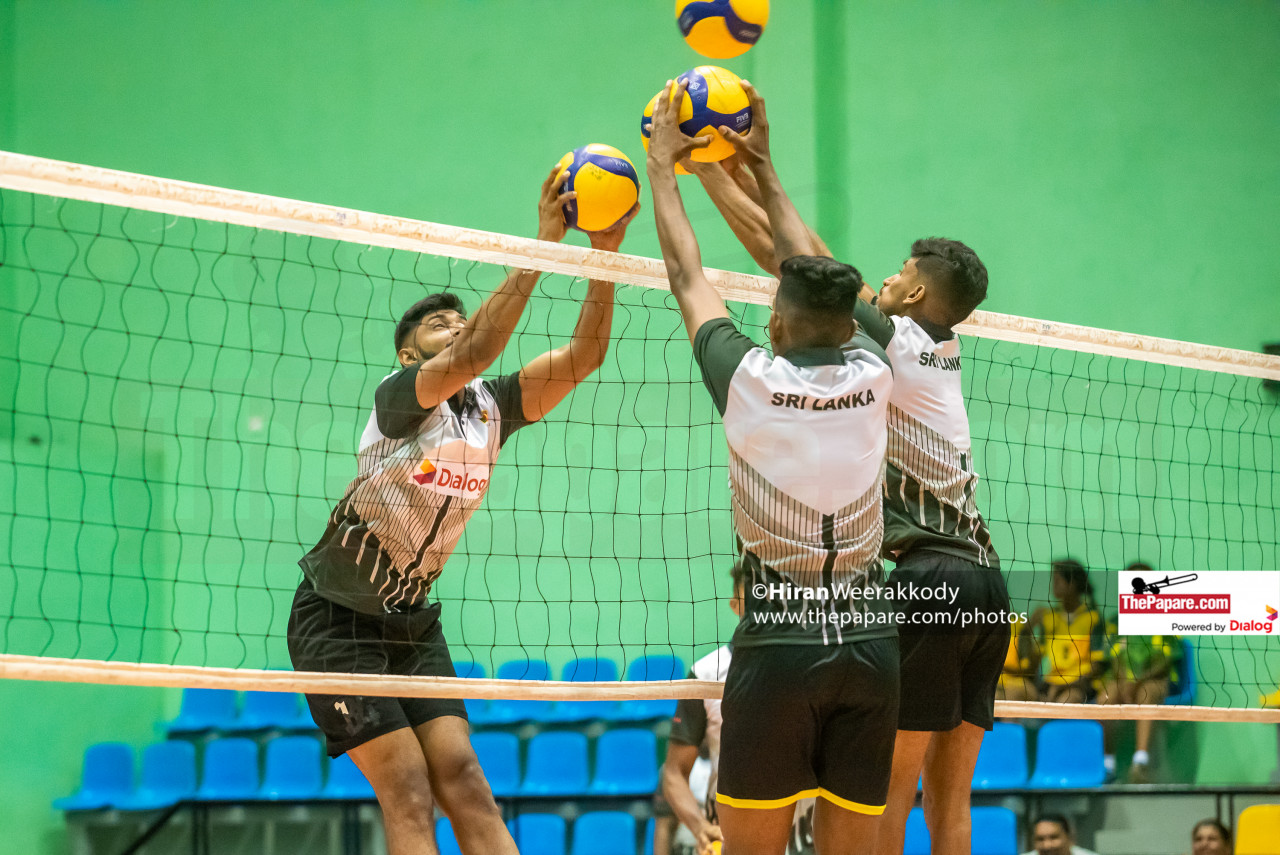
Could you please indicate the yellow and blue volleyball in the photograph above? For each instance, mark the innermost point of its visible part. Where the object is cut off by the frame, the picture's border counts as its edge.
(722, 29)
(606, 184)
(715, 98)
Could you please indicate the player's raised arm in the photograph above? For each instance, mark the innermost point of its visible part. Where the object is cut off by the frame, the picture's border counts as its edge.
(477, 343)
(547, 379)
(699, 302)
(790, 235)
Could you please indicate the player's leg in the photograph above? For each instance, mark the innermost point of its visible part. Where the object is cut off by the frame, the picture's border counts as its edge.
(396, 768)
(856, 754)
(444, 737)
(1145, 692)
(461, 788)
(948, 776)
(323, 636)
(909, 749)
(755, 830)
(767, 744)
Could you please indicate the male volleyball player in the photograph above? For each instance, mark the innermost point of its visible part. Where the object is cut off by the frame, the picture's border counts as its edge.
(696, 726)
(933, 529)
(811, 696)
(425, 461)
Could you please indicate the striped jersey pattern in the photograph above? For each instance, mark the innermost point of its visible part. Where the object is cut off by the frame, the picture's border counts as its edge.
(399, 520)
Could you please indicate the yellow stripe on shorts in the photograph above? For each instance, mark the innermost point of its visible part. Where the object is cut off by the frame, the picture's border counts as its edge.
(766, 804)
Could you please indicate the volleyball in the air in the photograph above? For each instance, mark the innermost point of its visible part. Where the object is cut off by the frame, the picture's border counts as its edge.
(606, 183)
(722, 29)
(715, 98)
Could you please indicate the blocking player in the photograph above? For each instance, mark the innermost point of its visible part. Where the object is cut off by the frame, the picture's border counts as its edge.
(810, 700)
(933, 529)
(425, 461)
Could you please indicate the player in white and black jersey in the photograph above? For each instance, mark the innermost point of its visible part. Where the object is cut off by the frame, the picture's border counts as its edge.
(811, 697)
(933, 529)
(425, 461)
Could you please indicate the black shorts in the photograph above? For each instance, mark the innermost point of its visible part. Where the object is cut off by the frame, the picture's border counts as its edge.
(950, 671)
(324, 636)
(808, 720)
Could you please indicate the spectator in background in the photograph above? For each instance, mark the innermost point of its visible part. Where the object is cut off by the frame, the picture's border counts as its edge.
(1210, 837)
(1018, 677)
(1070, 636)
(1052, 835)
(1141, 667)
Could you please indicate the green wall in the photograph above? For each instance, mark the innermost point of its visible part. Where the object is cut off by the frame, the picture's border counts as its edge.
(1112, 163)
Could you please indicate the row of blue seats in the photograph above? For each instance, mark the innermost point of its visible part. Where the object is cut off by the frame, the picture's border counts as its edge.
(220, 709)
(292, 770)
(603, 832)
(1068, 754)
(556, 765)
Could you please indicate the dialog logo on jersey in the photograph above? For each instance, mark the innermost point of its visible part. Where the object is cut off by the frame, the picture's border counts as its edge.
(464, 480)
(426, 473)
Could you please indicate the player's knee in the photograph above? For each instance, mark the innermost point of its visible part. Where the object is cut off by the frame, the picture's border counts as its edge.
(461, 786)
(407, 797)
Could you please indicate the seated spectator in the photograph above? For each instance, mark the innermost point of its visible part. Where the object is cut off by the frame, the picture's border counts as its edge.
(1052, 835)
(1021, 665)
(1070, 636)
(1140, 668)
(1210, 837)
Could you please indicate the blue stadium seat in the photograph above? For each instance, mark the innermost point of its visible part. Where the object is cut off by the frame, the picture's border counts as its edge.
(917, 839)
(650, 828)
(346, 781)
(1183, 690)
(204, 709)
(1002, 760)
(587, 669)
(266, 711)
(556, 765)
(499, 755)
(230, 770)
(1069, 754)
(106, 778)
(656, 667)
(539, 833)
(168, 776)
(477, 708)
(446, 840)
(293, 769)
(995, 831)
(604, 832)
(502, 711)
(626, 763)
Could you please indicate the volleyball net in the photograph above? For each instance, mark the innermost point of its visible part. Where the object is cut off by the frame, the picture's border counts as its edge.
(188, 370)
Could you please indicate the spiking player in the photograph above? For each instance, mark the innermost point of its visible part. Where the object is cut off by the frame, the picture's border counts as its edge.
(933, 529)
(810, 699)
(424, 464)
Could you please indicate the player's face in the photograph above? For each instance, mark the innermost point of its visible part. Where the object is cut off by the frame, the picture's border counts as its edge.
(437, 331)
(896, 288)
(1207, 841)
(1051, 839)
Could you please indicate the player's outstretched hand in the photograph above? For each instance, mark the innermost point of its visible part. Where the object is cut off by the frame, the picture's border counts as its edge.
(667, 143)
(551, 224)
(753, 148)
(611, 238)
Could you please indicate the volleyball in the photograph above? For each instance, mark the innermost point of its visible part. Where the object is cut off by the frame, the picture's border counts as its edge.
(715, 97)
(606, 183)
(722, 29)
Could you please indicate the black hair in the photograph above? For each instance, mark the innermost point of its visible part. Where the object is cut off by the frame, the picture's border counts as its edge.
(1139, 567)
(956, 271)
(441, 302)
(739, 575)
(1056, 818)
(1214, 824)
(824, 291)
(1075, 574)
